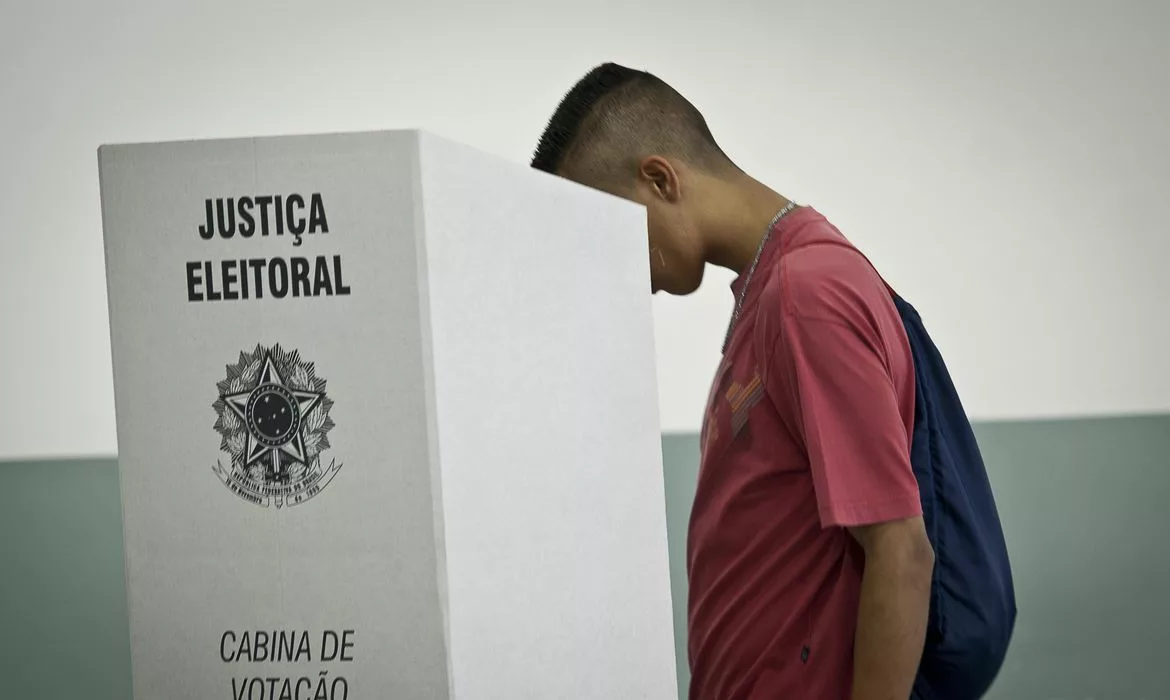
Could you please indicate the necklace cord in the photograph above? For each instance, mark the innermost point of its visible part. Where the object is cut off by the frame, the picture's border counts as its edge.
(752, 270)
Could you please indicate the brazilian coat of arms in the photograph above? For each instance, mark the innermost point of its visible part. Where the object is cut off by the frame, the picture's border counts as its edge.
(273, 420)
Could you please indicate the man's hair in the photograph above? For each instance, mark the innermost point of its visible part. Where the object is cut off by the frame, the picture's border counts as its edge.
(616, 116)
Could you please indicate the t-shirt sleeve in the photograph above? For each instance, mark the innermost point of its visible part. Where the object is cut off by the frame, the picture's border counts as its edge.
(828, 364)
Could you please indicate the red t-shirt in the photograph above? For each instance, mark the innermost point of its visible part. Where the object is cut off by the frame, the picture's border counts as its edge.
(807, 432)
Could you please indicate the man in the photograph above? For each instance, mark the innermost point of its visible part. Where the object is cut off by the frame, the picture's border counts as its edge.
(809, 564)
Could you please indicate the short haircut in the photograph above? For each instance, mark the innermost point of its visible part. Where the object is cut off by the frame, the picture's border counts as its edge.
(613, 118)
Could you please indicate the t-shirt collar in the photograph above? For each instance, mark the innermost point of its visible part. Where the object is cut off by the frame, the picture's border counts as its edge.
(772, 248)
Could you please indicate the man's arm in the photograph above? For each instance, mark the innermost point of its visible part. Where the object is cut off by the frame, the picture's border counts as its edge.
(841, 367)
(895, 604)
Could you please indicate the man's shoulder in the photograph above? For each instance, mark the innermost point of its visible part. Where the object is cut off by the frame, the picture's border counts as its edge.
(819, 273)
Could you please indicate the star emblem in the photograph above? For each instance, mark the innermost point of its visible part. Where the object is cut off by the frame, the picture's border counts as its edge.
(273, 414)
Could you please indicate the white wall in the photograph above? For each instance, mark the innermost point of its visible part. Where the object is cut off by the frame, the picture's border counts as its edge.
(1005, 163)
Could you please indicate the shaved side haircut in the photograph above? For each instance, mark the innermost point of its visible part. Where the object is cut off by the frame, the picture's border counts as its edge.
(613, 118)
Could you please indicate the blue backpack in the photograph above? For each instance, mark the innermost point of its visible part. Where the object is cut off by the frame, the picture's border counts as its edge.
(973, 602)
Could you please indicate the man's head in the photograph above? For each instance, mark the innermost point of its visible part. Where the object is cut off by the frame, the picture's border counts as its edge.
(630, 134)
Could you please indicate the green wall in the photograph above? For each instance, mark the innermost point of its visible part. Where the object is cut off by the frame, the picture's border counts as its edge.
(1083, 502)
(63, 628)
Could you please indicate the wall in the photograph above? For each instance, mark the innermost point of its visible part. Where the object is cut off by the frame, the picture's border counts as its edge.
(1002, 162)
(1082, 503)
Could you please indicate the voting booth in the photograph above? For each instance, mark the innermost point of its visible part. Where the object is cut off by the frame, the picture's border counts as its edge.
(387, 424)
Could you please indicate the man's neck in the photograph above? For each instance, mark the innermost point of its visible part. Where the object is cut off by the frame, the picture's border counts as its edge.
(738, 218)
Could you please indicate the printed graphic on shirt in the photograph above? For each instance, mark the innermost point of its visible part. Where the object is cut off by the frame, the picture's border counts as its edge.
(730, 403)
(742, 399)
(710, 430)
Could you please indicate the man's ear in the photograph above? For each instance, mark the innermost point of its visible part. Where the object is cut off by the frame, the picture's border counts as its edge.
(659, 176)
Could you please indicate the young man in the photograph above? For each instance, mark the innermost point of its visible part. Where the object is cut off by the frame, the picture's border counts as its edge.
(809, 564)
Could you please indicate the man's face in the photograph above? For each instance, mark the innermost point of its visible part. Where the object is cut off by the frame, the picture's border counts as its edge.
(677, 258)
(676, 252)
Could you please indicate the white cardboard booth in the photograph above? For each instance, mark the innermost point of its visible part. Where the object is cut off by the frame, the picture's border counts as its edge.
(387, 425)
